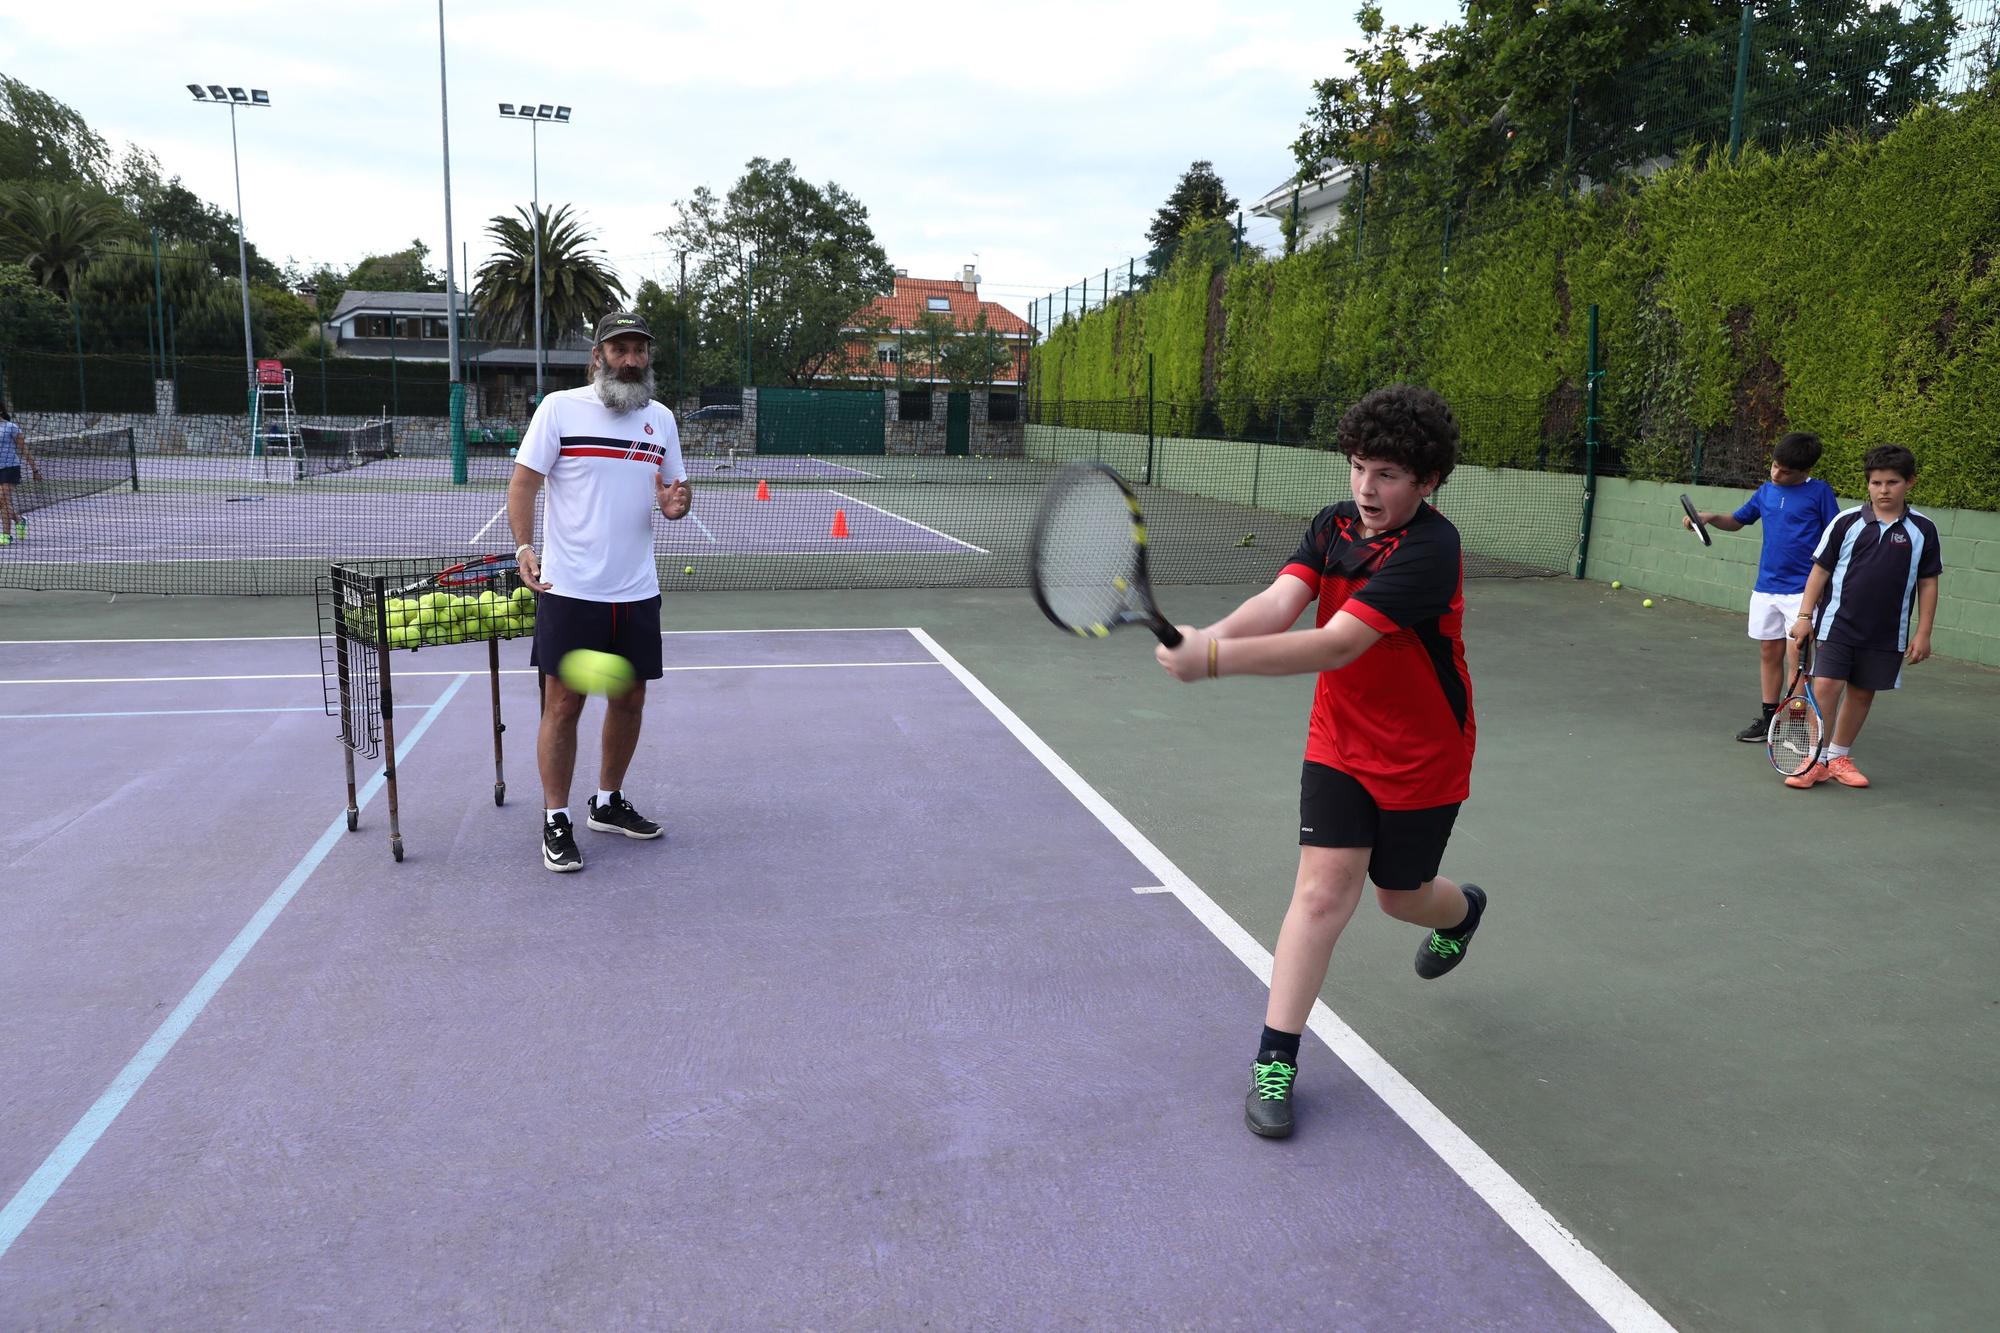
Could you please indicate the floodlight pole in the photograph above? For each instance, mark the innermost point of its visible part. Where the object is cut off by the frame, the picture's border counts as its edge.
(535, 166)
(242, 260)
(457, 404)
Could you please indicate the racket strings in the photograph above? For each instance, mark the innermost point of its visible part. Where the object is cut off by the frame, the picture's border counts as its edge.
(1795, 735)
(1087, 557)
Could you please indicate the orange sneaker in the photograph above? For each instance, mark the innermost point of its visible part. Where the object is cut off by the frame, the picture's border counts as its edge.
(1812, 777)
(1843, 771)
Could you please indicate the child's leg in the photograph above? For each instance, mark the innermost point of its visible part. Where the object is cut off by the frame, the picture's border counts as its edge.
(7, 515)
(1324, 896)
(1854, 706)
(1439, 904)
(1772, 669)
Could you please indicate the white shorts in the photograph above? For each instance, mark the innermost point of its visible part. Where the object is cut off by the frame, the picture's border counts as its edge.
(1772, 613)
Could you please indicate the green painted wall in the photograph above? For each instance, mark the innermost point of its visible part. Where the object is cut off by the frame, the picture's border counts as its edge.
(1636, 538)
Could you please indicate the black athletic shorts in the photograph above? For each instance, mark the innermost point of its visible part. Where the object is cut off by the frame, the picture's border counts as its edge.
(1870, 668)
(1337, 811)
(10, 476)
(629, 629)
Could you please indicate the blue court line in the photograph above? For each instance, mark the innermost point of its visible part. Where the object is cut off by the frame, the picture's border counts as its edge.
(49, 1177)
(168, 712)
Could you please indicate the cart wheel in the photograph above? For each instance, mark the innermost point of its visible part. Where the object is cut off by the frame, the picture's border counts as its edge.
(499, 793)
(353, 820)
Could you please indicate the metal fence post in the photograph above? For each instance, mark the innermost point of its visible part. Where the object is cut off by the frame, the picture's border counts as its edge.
(1149, 418)
(1742, 83)
(1590, 377)
(76, 326)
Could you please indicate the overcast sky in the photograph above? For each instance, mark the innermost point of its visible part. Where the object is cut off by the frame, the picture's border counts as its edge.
(1033, 138)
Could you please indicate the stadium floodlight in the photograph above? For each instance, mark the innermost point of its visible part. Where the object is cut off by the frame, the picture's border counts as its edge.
(233, 98)
(535, 113)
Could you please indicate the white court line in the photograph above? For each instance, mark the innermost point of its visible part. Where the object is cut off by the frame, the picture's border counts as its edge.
(473, 540)
(1590, 1277)
(1152, 888)
(713, 540)
(166, 712)
(57, 1166)
(980, 550)
(505, 671)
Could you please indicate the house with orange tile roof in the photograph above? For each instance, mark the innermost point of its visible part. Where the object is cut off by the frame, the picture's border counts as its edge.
(883, 341)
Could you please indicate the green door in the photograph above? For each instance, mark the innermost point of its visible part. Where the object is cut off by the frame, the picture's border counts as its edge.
(958, 423)
(820, 421)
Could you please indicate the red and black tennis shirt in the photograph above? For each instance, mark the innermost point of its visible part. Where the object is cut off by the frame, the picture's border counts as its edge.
(1398, 719)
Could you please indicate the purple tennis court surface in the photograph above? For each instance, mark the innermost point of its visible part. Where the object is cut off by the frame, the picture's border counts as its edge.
(880, 1035)
(295, 522)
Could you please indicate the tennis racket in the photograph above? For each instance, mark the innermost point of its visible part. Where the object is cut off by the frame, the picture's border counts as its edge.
(1694, 519)
(1797, 733)
(469, 574)
(1087, 556)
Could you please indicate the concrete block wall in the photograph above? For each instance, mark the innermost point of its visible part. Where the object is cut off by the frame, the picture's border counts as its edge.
(1636, 537)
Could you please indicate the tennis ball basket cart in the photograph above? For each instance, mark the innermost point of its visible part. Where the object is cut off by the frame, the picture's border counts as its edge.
(372, 609)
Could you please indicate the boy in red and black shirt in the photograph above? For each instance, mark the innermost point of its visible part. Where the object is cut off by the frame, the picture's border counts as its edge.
(1389, 747)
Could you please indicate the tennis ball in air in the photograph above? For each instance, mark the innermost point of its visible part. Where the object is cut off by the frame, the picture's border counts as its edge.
(1647, 602)
(688, 570)
(1616, 585)
(590, 672)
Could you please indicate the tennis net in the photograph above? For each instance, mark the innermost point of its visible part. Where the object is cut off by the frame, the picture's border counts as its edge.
(75, 465)
(841, 490)
(328, 449)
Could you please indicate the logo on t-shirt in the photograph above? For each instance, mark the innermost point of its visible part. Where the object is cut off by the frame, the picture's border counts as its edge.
(1899, 539)
(649, 428)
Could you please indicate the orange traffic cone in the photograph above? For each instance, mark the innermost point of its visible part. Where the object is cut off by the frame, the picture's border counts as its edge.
(763, 490)
(840, 522)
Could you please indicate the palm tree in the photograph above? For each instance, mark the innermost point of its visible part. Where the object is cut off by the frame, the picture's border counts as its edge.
(577, 286)
(56, 233)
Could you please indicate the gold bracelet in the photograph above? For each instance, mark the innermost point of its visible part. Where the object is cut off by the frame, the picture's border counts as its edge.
(1213, 644)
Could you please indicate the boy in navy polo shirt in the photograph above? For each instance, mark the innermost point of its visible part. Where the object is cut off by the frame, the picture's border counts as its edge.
(1877, 565)
(1795, 508)
(1388, 755)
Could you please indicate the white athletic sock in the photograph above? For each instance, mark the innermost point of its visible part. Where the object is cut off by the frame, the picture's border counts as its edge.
(604, 797)
(549, 816)
(1836, 752)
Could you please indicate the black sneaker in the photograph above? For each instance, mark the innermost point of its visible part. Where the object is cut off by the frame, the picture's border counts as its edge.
(559, 851)
(1756, 731)
(1268, 1108)
(1442, 950)
(618, 816)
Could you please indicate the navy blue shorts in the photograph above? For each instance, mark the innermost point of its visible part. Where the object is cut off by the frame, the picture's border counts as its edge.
(1407, 846)
(1870, 668)
(629, 629)
(10, 476)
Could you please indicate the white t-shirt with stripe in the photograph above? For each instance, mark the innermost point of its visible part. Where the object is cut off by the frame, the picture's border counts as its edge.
(602, 469)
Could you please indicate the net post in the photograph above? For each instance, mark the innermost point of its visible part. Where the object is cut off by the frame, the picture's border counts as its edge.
(1590, 377)
(76, 326)
(458, 433)
(132, 455)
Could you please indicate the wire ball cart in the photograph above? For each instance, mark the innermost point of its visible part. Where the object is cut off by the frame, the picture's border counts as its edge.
(369, 609)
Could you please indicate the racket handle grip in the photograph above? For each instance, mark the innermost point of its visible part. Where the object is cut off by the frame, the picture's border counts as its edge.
(1167, 634)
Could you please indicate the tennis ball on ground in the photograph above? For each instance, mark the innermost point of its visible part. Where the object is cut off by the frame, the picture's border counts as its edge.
(1647, 602)
(1615, 585)
(589, 672)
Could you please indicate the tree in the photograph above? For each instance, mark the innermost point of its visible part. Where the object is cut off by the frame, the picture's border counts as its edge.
(44, 141)
(55, 232)
(577, 286)
(31, 316)
(179, 214)
(962, 355)
(798, 259)
(403, 271)
(1198, 197)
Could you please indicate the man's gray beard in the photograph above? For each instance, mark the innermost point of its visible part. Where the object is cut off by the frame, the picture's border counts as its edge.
(620, 396)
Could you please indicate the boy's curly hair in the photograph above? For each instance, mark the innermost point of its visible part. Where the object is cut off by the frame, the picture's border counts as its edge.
(1890, 458)
(1404, 424)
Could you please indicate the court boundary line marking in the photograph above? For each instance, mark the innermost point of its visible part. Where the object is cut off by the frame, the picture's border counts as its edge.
(1587, 1275)
(505, 671)
(39, 1188)
(902, 518)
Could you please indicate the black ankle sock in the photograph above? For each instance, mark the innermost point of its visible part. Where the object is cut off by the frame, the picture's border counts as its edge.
(1471, 918)
(1769, 708)
(1284, 1043)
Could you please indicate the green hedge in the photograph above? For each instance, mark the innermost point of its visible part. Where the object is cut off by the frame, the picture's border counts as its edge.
(1848, 289)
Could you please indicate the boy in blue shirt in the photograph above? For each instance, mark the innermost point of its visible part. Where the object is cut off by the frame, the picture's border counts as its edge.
(1795, 508)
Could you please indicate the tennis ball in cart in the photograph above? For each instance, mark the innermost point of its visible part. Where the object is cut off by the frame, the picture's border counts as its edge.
(590, 672)
(1647, 602)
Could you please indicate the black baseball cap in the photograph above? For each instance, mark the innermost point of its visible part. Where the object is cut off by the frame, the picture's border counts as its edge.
(621, 322)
